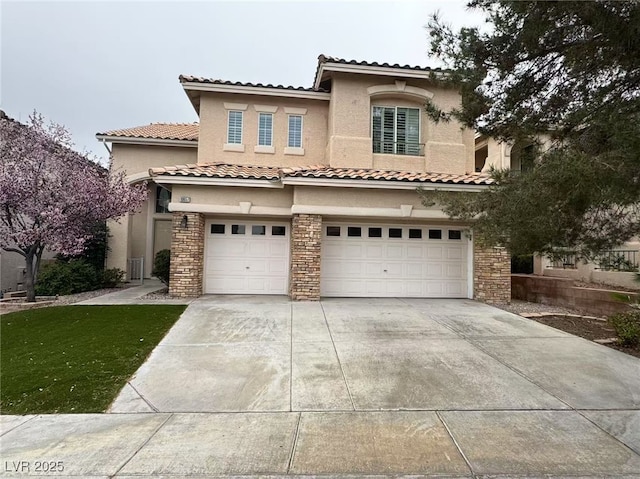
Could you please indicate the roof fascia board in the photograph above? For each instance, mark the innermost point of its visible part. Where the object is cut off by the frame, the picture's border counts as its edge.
(387, 185)
(148, 141)
(210, 181)
(248, 90)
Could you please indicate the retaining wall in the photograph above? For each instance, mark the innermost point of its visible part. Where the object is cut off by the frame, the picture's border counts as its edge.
(562, 292)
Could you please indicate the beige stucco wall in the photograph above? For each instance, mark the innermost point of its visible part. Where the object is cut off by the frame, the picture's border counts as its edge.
(448, 147)
(213, 130)
(139, 158)
(220, 195)
(118, 242)
(132, 237)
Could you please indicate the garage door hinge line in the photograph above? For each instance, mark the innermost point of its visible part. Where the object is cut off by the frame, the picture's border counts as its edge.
(335, 350)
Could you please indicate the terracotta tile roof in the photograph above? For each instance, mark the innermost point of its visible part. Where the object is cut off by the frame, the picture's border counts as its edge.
(220, 170)
(322, 59)
(328, 59)
(386, 175)
(159, 131)
(189, 78)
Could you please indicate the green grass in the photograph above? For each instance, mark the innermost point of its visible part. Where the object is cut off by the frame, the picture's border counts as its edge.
(75, 359)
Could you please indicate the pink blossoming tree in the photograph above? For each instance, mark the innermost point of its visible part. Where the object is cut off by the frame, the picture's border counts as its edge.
(51, 196)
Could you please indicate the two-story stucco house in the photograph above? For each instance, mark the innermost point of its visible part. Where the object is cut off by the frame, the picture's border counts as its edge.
(309, 191)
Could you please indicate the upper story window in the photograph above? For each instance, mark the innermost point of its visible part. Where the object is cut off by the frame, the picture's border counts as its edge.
(234, 133)
(163, 198)
(295, 131)
(265, 129)
(396, 130)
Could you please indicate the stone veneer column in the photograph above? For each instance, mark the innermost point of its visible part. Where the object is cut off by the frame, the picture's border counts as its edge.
(306, 234)
(491, 273)
(187, 255)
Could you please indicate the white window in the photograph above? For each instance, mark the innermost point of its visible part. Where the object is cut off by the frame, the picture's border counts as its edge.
(396, 130)
(295, 131)
(234, 133)
(265, 129)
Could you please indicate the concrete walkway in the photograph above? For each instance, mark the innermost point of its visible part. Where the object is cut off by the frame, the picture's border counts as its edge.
(134, 295)
(348, 387)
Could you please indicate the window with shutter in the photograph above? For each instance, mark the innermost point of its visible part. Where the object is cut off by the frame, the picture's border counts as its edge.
(265, 129)
(234, 132)
(295, 131)
(395, 130)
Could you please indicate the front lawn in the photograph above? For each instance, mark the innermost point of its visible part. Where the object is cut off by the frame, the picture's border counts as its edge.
(75, 359)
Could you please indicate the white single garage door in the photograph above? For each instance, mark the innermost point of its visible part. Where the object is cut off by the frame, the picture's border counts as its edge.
(395, 261)
(243, 257)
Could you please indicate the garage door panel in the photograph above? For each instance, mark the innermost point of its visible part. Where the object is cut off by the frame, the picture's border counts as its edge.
(455, 253)
(395, 251)
(354, 251)
(374, 251)
(373, 269)
(414, 288)
(415, 270)
(395, 269)
(455, 271)
(454, 288)
(395, 264)
(332, 250)
(375, 288)
(434, 288)
(434, 270)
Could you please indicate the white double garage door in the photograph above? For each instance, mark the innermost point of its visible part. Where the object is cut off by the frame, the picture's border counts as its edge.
(358, 260)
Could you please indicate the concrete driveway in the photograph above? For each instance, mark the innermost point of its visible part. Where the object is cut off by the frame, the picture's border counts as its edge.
(262, 385)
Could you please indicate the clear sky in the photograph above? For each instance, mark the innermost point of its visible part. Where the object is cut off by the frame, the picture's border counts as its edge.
(97, 66)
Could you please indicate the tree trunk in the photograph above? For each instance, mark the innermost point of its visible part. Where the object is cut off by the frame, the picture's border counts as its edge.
(29, 280)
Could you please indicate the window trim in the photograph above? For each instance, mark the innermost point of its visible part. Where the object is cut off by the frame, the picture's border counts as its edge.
(395, 129)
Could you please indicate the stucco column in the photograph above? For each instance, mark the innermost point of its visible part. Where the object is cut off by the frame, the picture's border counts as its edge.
(491, 273)
(306, 234)
(187, 254)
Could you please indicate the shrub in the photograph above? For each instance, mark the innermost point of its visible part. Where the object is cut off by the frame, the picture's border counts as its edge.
(627, 326)
(161, 265)
(67, 277)
(112, 277)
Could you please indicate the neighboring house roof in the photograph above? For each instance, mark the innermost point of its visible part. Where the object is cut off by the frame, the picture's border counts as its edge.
(221, 170)
(159, 131)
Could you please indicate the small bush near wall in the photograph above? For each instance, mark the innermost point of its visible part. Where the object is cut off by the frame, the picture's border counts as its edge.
(161, 265)
(67, 277)
(627, 326)
(522, 264)
(112, 277)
